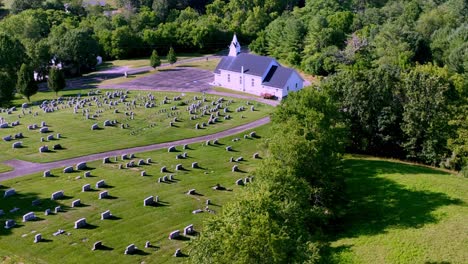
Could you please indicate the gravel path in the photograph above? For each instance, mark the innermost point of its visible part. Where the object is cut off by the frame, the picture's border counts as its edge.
(23, 168)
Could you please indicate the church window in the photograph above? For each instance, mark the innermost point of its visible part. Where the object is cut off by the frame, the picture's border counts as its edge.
(253, 82)
(240, 80)
(229, 77)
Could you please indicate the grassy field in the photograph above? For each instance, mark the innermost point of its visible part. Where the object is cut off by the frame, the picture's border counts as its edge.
(400, 213)
(5, 168)
(123, 79)
(133, 223)
(149, 126)
(209, 64)
(200, 64)
(143, 62)
(226, 90)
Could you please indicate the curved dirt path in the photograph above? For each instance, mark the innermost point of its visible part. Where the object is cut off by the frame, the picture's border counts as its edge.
(24, 168)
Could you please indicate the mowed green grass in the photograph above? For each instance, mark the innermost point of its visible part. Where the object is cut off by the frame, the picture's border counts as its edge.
(143, 62)
(149, 126)
(401, 213)
(133, 222)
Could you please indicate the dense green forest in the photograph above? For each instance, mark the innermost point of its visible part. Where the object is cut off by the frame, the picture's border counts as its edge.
(397, 68)
(392, 82)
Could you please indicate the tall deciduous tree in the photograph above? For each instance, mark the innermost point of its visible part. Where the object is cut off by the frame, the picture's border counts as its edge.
(426, 115)
(7, 88)
(12, 54)
(371, 102)
(171, 56)
(155, 61)
(56, 81)
(26, 85)
(77, 47)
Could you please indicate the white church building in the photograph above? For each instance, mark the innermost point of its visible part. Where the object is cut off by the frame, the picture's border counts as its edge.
(259, 75)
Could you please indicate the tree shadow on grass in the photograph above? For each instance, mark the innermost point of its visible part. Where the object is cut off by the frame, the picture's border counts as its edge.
(377, 203)
(23, 201)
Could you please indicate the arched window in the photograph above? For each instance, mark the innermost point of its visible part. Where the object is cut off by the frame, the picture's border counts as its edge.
(253, 82)
(229, 77)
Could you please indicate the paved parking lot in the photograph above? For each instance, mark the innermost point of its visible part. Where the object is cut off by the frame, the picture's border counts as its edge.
(178, 79)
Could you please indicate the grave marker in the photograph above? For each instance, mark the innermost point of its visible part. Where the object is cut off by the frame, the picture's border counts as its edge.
(80, 223)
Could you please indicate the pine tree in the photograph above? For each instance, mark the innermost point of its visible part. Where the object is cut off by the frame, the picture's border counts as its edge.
(171, 56)
(56, 80)
(25, 84)
(155, 61)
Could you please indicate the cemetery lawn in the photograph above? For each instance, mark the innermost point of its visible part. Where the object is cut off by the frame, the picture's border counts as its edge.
(132, 223)
(401, 213)
(143, 62)
(5, 168)
(124, 79)
(149, 126)
(209, 64)
(225, 90)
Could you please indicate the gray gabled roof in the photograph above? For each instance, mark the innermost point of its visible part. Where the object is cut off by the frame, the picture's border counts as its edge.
(277, 75)
(253, 64)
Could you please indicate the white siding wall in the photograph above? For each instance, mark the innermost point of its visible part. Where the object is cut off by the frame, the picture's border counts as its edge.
(291, 83)
(234, 83)
(232, 80)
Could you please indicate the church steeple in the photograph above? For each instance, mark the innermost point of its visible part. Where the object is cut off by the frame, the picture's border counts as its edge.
(235, 47)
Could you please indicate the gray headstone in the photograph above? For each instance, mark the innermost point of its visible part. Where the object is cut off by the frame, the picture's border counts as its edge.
(57, 195)
(9, 192)
(188, 230)
(86, 187)
(103, 194)
(130, 249)
(174, 234)
(240, 182)
(81, 166)
(100, 184)
(80, 223)
(76, 203)
(148, 201)
(29, 217)
(106, 215)
(178, 253)
(97, 245)
(9, 223)
(37, 238)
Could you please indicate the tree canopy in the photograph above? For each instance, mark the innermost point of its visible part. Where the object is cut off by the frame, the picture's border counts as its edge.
(155, 61)
(26, 85)
(171, 56)
(56, 80)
